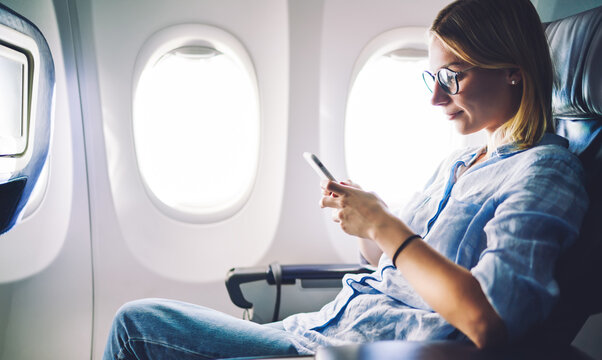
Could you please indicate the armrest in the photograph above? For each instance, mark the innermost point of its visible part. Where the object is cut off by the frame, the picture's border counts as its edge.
(290, 273)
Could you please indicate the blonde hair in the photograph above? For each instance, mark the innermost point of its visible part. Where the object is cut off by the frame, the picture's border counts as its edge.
(505, 34)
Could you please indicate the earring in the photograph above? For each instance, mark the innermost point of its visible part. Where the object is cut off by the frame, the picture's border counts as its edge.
(513, 82)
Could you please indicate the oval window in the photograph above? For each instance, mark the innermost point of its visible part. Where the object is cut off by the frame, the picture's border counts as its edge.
(196, 132)
(394, 137)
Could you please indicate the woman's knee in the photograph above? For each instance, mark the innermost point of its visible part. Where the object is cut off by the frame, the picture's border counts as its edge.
(137, 314)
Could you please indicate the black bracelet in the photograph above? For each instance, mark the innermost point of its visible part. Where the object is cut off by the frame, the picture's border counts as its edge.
(402, 246)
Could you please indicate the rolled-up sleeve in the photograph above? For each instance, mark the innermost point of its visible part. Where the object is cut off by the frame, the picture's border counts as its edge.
(536, 218)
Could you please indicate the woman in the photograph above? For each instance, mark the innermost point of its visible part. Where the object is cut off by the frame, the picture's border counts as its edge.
(470, 258)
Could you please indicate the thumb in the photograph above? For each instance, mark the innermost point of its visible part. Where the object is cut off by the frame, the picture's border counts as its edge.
(338, 188)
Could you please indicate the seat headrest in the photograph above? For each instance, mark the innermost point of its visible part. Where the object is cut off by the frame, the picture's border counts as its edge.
(576, 49)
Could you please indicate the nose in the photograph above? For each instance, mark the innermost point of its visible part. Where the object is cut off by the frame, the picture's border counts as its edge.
(439, 97)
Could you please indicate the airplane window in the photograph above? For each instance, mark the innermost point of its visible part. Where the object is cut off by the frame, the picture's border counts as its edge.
(196, 130)
(394, 137)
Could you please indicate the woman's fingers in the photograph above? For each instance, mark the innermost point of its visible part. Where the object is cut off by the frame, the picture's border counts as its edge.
(334, 194)
(351, 184)
(324, 183)
(337, 188)
(332, 202)
(336, 215)
(355, 210)
(328, 201)
(332, 188)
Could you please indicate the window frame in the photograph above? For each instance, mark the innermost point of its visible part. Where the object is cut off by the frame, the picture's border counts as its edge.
(164, 42)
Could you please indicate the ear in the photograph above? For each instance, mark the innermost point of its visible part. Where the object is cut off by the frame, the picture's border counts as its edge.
(514, 76)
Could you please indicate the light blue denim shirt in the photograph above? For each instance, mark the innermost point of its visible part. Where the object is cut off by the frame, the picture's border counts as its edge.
(506, 219)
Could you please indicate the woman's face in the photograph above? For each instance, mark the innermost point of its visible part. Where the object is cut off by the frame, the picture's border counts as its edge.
(486, 98)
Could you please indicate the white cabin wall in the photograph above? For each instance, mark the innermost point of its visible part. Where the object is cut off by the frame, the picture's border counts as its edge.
(304, 51)
(46, 312)
(301, 236)
(111, 34)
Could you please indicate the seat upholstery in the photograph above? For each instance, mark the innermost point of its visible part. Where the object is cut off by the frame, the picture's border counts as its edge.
(576, 49)
(16, 187)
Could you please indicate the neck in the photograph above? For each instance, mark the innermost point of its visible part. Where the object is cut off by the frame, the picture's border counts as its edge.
(495, 139)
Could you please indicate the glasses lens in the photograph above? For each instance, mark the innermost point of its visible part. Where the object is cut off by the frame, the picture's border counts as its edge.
(447, 80)
(429, 80)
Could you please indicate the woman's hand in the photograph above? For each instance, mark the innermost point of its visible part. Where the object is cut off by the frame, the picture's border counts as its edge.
(370, 251)
(448, 288)
(323, 184)
(359, 213)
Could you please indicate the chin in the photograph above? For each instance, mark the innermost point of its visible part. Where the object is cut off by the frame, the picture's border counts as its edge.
(462, 129)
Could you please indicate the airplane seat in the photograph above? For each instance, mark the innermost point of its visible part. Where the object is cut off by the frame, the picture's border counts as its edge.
(26, 108)
(576, 49)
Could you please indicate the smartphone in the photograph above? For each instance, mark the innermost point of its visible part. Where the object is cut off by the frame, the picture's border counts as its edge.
(317, 165)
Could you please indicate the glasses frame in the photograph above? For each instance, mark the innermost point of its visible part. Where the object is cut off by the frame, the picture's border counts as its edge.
(437, 77)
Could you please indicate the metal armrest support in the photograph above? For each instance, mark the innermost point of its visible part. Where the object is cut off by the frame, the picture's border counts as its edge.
(290, 273)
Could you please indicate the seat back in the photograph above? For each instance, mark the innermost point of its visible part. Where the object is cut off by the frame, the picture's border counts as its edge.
(576, 49)
(26, 99)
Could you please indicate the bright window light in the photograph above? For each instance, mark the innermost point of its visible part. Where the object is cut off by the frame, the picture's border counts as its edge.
(196, 130)
(394, 137)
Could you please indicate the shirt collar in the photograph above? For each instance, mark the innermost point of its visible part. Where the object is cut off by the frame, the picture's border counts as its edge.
(512, 148)
(547, 139)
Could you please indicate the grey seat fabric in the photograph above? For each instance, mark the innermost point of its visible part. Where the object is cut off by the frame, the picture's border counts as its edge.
(576, 48)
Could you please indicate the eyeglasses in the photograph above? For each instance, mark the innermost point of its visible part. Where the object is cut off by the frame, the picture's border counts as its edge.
(447, 79)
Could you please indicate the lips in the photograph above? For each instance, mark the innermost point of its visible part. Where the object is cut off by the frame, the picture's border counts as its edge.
(453, 115)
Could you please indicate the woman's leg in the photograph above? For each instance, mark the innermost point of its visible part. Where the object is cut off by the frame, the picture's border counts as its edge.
(168, 329)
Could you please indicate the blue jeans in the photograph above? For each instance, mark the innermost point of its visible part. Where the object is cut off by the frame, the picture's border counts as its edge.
(168, 329)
